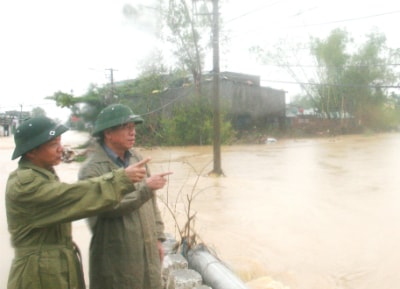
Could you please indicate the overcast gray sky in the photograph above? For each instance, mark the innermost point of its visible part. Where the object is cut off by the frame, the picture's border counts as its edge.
(51, 45)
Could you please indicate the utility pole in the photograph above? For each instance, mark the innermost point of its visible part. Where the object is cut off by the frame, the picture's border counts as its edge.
(20, 113)
(217, 170)
(108, 99)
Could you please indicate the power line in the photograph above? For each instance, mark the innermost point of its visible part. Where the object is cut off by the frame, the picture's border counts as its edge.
(331, 84)
(253, 11)
(17, 106)
(163, 106)
(333, 66)
(321, 23)
(345, 20)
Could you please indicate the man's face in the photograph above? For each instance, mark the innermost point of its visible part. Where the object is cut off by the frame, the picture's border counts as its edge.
(121, 138)
(48, 154)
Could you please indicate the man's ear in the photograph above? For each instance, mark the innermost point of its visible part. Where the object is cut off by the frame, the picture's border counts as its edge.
(106, 133)
(31, 154)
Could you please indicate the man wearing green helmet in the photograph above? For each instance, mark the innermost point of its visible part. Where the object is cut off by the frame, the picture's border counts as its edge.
(125, 249)
(40, 208)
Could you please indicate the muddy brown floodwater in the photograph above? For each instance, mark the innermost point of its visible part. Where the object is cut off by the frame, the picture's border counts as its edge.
(307, 213)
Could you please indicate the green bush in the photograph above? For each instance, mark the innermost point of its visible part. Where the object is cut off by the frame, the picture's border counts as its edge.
(192, 124)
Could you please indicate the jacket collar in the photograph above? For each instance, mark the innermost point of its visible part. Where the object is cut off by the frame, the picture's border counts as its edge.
(26, 164)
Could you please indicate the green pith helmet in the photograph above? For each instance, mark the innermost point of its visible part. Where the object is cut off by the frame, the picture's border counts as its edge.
(114, 115)
(33, 132)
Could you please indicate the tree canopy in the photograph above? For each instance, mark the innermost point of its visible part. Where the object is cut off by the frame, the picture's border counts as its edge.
(348, 79)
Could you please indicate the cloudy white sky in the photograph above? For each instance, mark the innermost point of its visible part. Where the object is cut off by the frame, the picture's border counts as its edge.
(52, 45)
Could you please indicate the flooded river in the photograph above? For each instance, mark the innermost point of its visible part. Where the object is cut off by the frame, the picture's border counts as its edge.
(309, 213)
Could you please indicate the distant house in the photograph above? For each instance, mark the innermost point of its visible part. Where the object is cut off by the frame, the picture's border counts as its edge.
(311, 121)
(247, 103)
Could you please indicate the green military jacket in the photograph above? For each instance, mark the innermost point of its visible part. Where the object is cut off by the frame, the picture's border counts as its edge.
(39, 211)
(123, 250)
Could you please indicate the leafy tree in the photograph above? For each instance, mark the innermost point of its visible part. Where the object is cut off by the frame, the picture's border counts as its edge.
(87, 106)
(62, 99)
(347, 79)
(368, 76)
(331, 58)
(185, 37)
(38, 111)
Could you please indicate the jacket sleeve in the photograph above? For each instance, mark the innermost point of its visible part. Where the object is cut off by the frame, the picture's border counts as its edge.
(158, 219)
(159, 222)
(130, 202)
(51, 202)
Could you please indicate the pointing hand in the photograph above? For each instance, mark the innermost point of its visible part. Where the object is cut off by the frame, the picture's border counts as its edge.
(137, 172)
(157, 181)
